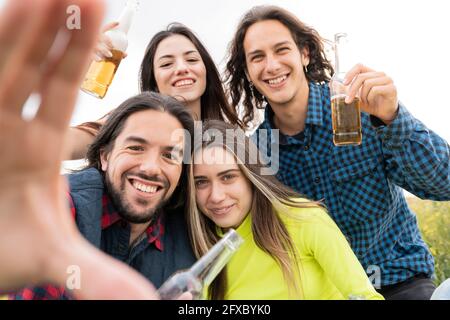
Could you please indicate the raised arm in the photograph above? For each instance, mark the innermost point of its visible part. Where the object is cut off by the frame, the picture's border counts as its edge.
(78, 139)
(416, 158)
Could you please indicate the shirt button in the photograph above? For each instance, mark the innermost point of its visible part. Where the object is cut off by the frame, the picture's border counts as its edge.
(306, 148)
(316, 180)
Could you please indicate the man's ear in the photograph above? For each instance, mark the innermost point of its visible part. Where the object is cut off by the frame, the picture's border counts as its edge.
(104, 159)
(305, 56)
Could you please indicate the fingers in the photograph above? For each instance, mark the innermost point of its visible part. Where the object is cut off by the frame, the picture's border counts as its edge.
(104, 47)
(360, 82)
(356, 70)
(186, 296)
(26, 54)
(102, 51)
(64, 76)
(369, 89)
(377, 92)
(9, 29)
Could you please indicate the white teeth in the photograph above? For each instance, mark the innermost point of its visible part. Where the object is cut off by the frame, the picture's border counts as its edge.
(184, 83)
(144, 188)
(277, 80)
(221, 210)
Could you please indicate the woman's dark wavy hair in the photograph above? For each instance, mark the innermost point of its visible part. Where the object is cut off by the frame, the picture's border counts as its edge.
(214, 103)
(319, 68)
(115, 124)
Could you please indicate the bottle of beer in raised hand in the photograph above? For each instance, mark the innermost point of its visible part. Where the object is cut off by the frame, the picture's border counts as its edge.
(101, 73)
(346, 117)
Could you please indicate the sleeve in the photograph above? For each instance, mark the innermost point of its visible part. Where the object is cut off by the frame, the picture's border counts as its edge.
(47, 292)
(333, 253)
(417, 159)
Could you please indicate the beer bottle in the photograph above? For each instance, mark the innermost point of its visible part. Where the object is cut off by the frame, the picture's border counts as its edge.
(346, 117)
(203, 272)
(101, 73)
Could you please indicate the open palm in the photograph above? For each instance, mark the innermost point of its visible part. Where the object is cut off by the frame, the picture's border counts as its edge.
(38, 239)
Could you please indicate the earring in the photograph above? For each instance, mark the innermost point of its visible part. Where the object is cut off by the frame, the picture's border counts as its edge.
(305, 68)
(251, 89)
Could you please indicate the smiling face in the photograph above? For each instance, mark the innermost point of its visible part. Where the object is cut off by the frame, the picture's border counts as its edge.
(223, 193)
(274, 62)
(144, 166)
(179, 69)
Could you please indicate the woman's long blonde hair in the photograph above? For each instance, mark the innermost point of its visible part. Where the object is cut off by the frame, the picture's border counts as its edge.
(269, 199)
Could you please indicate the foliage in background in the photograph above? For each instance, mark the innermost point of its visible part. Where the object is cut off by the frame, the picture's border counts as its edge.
(434, 223)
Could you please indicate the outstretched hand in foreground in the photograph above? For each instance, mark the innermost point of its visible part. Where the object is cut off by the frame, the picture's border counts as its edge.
(38, 237)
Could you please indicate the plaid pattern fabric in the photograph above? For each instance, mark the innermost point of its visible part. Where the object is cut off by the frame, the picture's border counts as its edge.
(361, 185)
(110, 216)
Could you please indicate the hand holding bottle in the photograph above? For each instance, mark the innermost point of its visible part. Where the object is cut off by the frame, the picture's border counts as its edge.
(105, 45)
(377, 92)
(111, 50)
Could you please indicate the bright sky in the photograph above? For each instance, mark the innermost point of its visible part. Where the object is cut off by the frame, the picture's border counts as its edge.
(406, 39)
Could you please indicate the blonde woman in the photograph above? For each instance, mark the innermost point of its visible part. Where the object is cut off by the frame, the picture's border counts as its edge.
(292, 248)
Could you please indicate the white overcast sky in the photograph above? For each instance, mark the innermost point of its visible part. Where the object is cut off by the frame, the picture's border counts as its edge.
(407, 39)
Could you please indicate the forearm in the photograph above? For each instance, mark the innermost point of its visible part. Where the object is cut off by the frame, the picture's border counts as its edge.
(417, 159)
(76, 143)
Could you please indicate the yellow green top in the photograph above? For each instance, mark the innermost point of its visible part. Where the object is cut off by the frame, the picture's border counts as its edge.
(328, 267)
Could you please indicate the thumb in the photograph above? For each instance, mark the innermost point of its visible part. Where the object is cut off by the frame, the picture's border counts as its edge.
(110, 26)
(105, 278)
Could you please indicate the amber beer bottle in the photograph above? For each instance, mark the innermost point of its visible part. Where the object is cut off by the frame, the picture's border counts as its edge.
(346, 117)
(101, 73)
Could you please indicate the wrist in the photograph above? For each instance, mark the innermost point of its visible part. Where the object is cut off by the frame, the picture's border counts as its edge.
(389, 118)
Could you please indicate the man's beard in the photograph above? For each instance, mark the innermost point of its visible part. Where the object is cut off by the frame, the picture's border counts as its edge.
(124, 208)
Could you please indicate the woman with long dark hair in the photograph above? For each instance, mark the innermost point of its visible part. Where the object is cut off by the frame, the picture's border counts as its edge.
(177, 64)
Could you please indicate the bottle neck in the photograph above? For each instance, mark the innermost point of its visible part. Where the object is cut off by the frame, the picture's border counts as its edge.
(341, 54)
(208, 267)
(126, 17)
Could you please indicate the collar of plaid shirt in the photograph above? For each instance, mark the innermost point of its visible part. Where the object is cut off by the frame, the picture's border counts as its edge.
(314, 114)
(110, 216)
(317, 99)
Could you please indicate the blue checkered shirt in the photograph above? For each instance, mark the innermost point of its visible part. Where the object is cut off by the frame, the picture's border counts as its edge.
(362, 185)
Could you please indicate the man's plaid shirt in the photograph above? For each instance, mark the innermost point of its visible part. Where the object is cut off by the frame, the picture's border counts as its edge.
(361, 185)
(110, 217)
